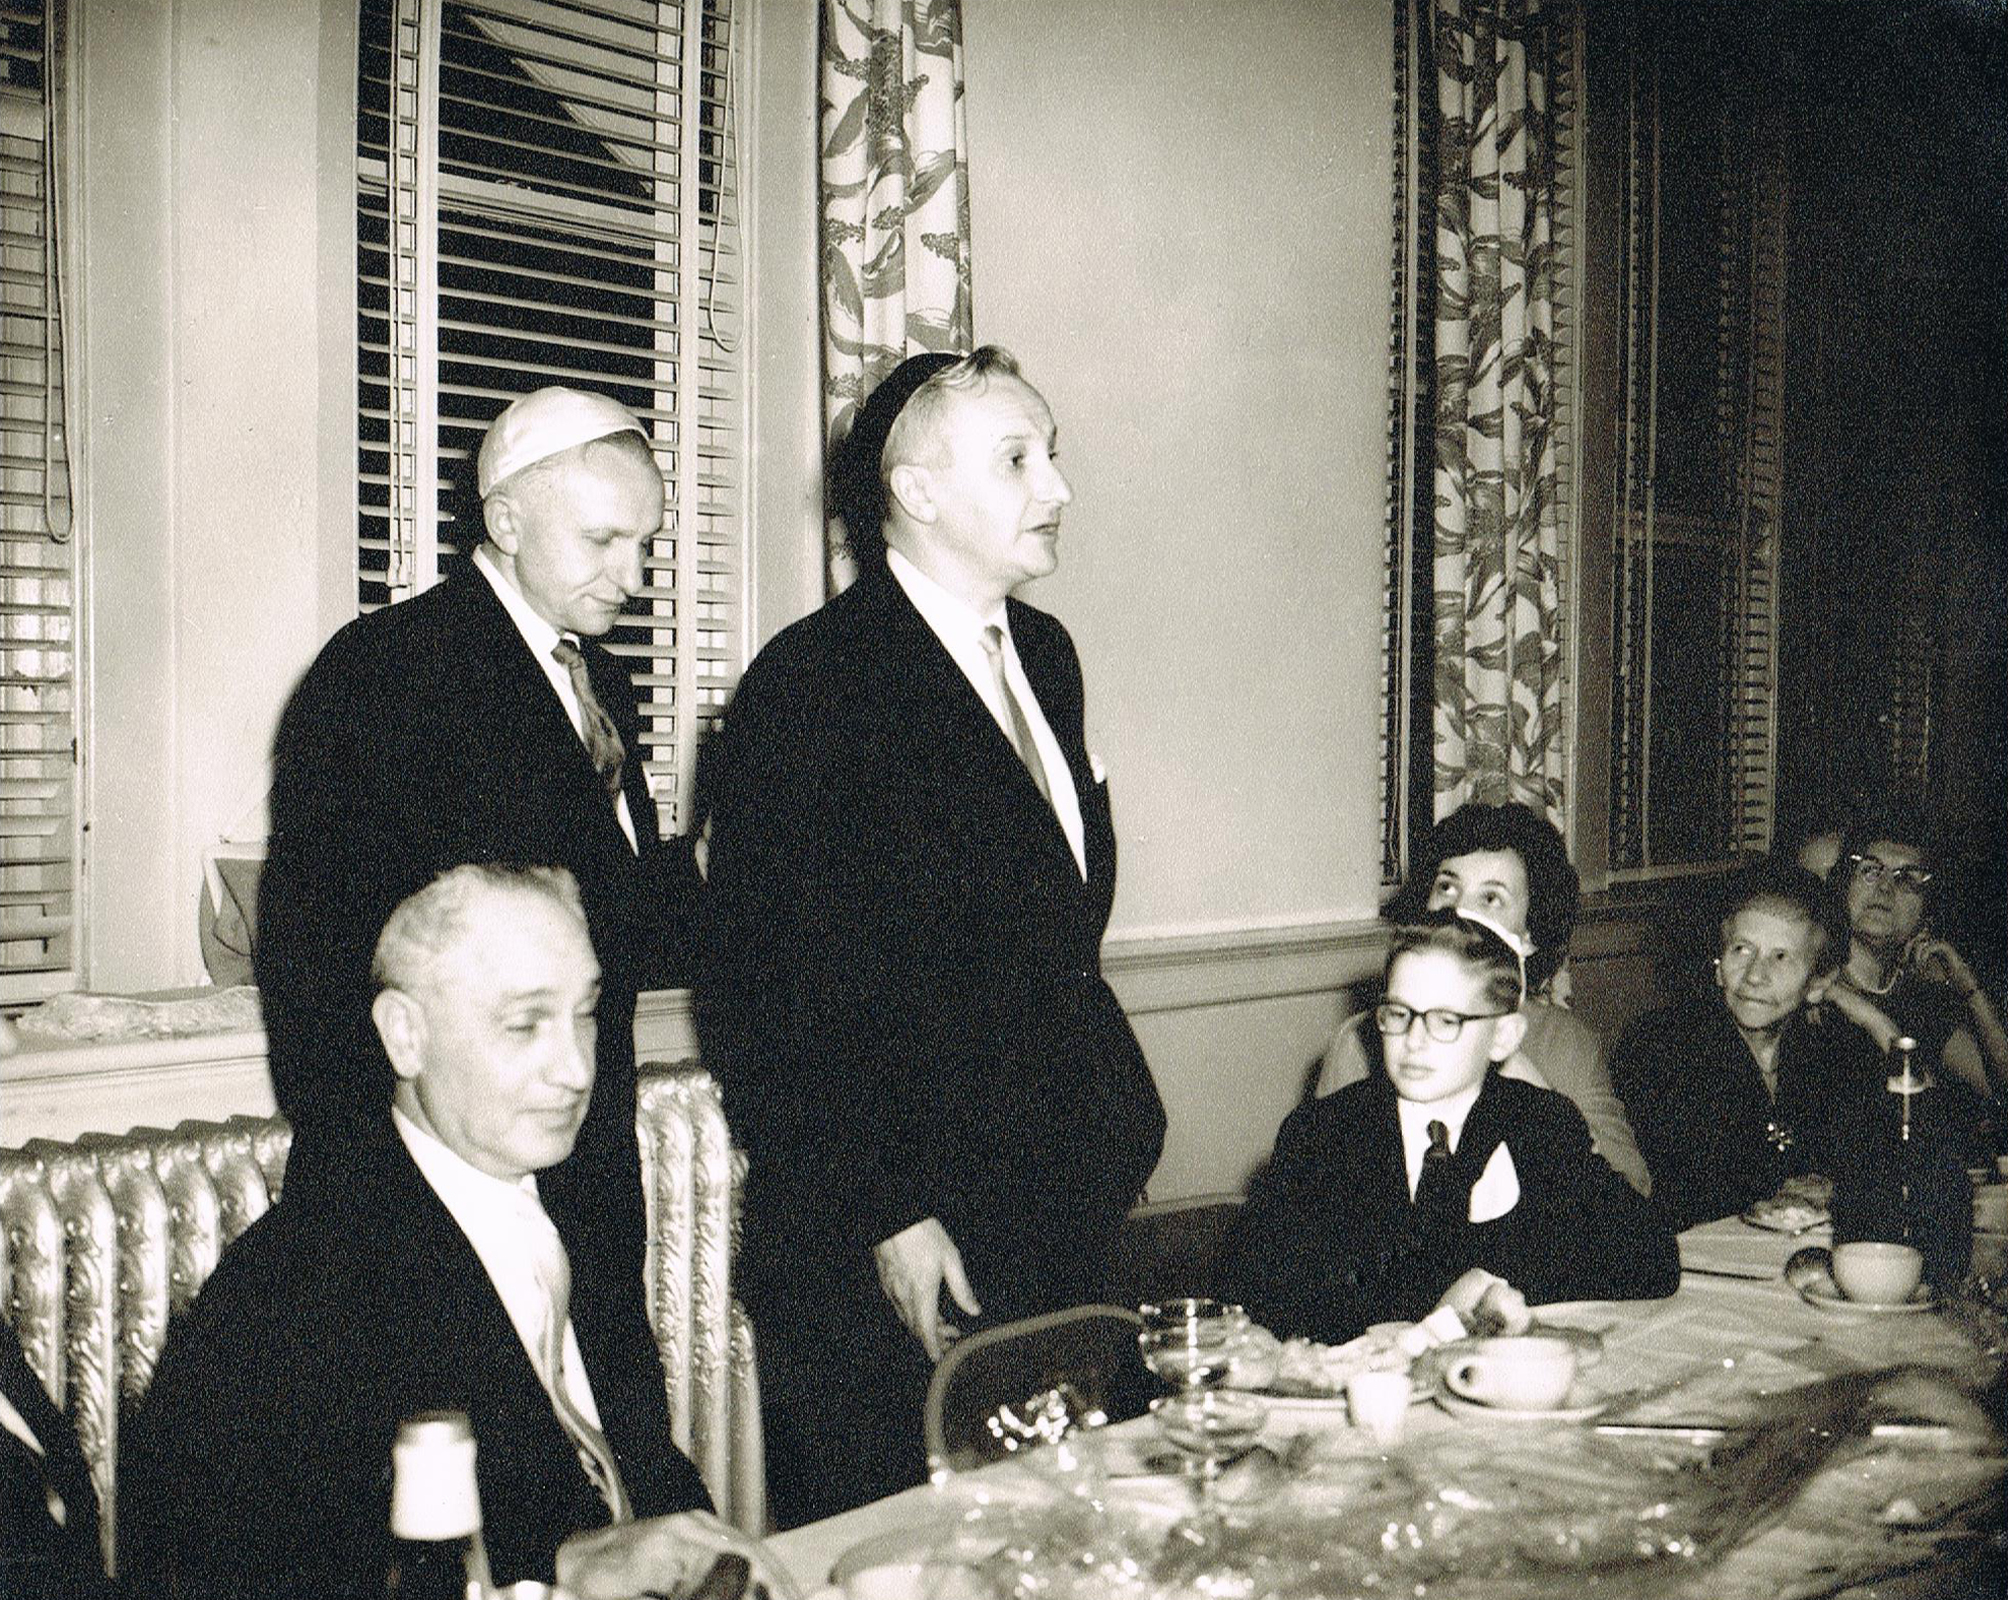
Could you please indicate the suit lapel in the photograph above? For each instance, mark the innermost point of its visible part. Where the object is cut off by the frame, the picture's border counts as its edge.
(948, 710)
(528, 707)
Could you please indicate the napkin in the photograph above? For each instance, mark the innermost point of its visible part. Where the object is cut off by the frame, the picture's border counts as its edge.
(1497, 1190)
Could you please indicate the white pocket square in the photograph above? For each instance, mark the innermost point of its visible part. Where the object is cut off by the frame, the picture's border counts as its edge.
(1096, 770)
(1497, 1190)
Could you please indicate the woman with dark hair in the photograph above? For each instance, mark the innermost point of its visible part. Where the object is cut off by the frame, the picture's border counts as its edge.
(1899, 976)
(1508, 863)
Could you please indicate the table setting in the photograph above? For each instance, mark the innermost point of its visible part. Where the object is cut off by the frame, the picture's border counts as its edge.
(1739, 1438)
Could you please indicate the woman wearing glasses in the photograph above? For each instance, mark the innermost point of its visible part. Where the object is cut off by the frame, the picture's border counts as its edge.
(1901, 979)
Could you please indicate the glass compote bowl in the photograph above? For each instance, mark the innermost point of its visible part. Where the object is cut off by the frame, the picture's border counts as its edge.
(1189, 1343)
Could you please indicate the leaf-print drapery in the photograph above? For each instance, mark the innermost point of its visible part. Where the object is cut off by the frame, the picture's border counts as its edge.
(1499, 622)
(895, 183)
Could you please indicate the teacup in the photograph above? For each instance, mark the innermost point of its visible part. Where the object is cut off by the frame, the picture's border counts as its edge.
(1526, 1372)
(1990, 1209)
(1870, 1270)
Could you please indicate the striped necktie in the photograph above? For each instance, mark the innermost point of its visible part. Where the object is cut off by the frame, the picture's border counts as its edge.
(603, 739)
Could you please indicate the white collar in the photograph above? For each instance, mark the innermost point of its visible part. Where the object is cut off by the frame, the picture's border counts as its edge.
(538, 634)
(1451, 1111)
(461, 1186)
(949, 615)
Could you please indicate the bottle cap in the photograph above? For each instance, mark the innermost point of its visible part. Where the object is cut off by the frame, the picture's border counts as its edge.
(433, 1493)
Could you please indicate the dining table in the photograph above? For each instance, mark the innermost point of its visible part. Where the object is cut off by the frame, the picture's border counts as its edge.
(1673, 1378)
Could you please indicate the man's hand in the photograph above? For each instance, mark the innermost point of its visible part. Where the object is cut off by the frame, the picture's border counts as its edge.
(660, 1555)
(914, 1265)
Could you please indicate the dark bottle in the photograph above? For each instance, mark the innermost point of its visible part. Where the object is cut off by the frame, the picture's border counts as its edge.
(1910, 1185)
(435, 1513)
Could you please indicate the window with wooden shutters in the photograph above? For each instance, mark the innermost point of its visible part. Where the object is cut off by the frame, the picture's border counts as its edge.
(38, 733)
(547, 193)
(1694, 607)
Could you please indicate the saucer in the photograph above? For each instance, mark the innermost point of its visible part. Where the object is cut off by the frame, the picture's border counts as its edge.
(1826, 1297)
(1458, 1406)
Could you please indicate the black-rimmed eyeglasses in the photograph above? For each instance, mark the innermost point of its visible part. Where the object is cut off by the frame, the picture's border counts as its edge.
(1873, 869)
(1440, 1022)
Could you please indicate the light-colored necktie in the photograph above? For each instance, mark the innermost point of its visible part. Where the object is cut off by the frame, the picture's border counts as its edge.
(554, 1272)
(1021, 730)
(603, 740)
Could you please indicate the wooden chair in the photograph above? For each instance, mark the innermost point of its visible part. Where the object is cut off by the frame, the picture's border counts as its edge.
(1012, 1386)
(102, 1241)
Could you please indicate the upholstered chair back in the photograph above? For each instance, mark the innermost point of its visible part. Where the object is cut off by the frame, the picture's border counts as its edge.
(104, 1239)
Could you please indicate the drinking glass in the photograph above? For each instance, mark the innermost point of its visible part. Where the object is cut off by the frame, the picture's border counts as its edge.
(1210, 1428)
(1190, 1342)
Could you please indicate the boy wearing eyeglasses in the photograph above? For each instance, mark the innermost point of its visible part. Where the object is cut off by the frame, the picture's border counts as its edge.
(1440, 1180)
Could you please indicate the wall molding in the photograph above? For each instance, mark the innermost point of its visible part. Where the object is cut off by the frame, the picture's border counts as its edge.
(111, 1086)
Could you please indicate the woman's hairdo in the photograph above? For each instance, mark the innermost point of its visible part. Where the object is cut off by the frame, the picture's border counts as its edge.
(1773, 883)
(1473, 942)
(1554, 889)
(1892, 824)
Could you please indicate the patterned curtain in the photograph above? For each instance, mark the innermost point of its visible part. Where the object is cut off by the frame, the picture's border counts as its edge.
(895, 182)
(1499, 617)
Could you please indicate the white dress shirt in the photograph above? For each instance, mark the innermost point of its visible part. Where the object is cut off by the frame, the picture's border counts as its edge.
(495, 1214)
(1417, 1115)
(1497, 1190)
(960, 631)
(542, 639)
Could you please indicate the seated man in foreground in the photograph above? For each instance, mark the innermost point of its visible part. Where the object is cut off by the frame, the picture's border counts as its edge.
(1412, 1187)
(259, 1463)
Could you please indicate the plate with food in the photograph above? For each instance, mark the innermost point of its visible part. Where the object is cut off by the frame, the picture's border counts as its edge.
(1303, 1376)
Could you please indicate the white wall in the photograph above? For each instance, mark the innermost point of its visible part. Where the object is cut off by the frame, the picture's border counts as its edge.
(1180, 219)
(215, 234)
(215, 226)
(1180, 223)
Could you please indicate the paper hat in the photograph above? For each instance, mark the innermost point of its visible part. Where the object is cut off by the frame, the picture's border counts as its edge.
(544, 422)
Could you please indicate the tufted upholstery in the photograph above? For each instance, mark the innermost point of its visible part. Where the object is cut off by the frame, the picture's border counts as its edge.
(101, 1241)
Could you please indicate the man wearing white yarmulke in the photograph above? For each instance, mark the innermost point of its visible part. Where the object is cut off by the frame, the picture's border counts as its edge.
(482, 721)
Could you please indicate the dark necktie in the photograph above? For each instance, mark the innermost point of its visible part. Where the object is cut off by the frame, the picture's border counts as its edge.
(1021, 730)
(1436, 1186)
(603, 740)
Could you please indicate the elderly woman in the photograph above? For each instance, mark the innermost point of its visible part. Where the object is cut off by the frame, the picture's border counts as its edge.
(1509, 863)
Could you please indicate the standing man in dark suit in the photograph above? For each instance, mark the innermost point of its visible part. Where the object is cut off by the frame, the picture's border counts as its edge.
(432, 1280)
(481, 721)
(912, 863)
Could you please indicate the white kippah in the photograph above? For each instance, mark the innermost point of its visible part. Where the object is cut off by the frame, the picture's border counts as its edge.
(544, 422)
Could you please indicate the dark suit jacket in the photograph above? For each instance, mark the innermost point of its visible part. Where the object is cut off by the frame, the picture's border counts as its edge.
(1704, 1121)
(1329, 1241)
(900, 980)
(259, 1463)
(39, 1556)
(424, 736)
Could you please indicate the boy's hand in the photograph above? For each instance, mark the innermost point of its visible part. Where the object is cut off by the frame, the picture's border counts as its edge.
(1488, 1304)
